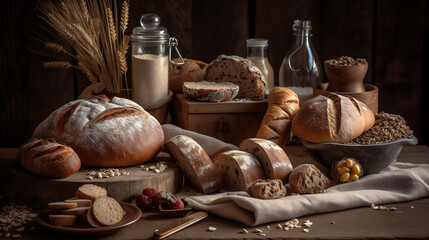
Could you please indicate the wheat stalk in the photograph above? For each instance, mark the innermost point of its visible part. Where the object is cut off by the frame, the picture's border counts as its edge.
(57, 64)
(89, 28)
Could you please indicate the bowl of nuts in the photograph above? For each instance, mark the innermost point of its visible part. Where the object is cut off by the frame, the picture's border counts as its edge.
(375, 149)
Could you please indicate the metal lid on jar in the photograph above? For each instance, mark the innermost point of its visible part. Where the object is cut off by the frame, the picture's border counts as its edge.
(150, 29)
(256, 42)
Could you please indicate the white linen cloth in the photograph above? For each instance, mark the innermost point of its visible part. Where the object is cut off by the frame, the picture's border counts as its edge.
(398, 183)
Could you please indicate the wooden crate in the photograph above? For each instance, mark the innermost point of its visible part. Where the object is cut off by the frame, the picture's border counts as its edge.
(228, 121)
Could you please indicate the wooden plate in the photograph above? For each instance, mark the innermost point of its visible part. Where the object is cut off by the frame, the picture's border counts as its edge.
(174, 213)
(133, 214)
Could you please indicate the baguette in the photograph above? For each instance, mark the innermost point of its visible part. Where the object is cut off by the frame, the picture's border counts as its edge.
(334, 118)
(283, 104)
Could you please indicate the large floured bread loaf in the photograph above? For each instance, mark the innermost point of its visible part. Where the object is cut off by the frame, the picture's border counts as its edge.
(48, 158)
(273, 159)
(334, 118)
(104, 132)
(195, 163)
(210, 91)
(276, 125)
(240, 71)
(238, 169)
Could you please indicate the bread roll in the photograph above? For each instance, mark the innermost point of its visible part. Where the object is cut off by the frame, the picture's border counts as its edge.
(238, 169)
(334, 118)
(195, 163)
(307, 178)
(240, 71)
(48, 158)
(267, 189)
(273, 159)
(104, 132)
(276, 125)
(190, 71)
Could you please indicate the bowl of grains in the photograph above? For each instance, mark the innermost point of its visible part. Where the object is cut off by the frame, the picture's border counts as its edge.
(374, 149)
(346, 74)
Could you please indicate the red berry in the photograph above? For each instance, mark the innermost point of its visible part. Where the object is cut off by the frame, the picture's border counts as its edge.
(144, 202)
(149, 192)
(156, 201)
(177, 205)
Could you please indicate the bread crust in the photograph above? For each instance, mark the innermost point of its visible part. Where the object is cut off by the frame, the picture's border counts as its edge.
(210, 91)
(332, 119)
(283, 104)
(104, 132)
(48, 158)
(272, 157)
(195, 163)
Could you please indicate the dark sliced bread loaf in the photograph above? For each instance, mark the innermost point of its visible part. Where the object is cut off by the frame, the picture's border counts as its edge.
(240, 71)
(210, 91)
(238, 169)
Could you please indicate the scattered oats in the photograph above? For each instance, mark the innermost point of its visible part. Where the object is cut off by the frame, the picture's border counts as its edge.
(245, 231)
(99, 175)
(279, 226)
(258, 230)
(332, 222)
(306, 230)
(268, 227)
(412, 207)
(383, 208)
(294, 221)
(146, 169)
(262, 234)
(393, 209)
(16, 236)
(212, 229)
(152, 167)
(90, 177)
(157, 170)
(286, 228)
(142, 166)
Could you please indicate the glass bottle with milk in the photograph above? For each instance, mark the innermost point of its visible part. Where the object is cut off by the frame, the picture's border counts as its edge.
(151, 53)
(301, 70)
(257, 53)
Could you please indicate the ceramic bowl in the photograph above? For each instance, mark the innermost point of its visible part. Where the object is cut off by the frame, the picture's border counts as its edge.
(373, 157)
(346, 78)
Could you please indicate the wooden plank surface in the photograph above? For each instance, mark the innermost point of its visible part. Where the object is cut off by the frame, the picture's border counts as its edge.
(15, 181)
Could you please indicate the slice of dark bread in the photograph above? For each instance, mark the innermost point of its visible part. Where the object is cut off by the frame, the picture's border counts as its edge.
(210, 91)
(307, 178)
(267, 189)
(240, 71)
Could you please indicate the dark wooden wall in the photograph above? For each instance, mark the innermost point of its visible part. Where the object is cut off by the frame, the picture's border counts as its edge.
(391, 34)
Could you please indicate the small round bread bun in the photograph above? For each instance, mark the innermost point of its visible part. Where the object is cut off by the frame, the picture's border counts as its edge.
(107, 210)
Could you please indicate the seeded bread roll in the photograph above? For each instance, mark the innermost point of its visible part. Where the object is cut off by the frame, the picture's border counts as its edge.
(104, 132)
(48, 158)
(107, 211)
(191, 71)
(273, 159)
(90, 191)
(62, 219)
(276, 126)
(307, 178)
(267, 189)
(240, 71)
(238, 169)
(334, 118)
(210, 91)
(195, 163)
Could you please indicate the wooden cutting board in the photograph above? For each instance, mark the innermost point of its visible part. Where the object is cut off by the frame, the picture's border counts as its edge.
(24, 187)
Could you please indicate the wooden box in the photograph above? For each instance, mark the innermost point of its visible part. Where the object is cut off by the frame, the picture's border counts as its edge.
(230, 121)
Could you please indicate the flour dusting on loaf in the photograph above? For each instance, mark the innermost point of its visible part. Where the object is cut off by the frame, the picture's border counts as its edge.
(105, 133)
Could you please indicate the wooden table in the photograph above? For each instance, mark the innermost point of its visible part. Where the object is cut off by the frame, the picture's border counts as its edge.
(410, 221)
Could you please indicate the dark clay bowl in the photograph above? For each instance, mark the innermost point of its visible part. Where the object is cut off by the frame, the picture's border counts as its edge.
(373, 157)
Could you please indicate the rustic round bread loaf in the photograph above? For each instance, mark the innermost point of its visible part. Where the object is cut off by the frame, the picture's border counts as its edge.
(273, 159)
(240, 71)
(48, 158)
(238, 169)
(267, 189)
(195, 163)
(307, 178)
(334, 118)
(210, 91)
(191, 71)
(104, 132)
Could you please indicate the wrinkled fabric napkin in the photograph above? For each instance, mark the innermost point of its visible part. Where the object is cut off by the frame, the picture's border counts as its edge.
(398, 183)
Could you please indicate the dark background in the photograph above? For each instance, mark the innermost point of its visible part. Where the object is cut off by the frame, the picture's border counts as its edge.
(391, 34)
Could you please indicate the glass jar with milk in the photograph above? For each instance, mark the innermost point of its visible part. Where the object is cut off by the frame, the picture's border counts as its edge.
(151, 53)
(301, 70)
(257, 53)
